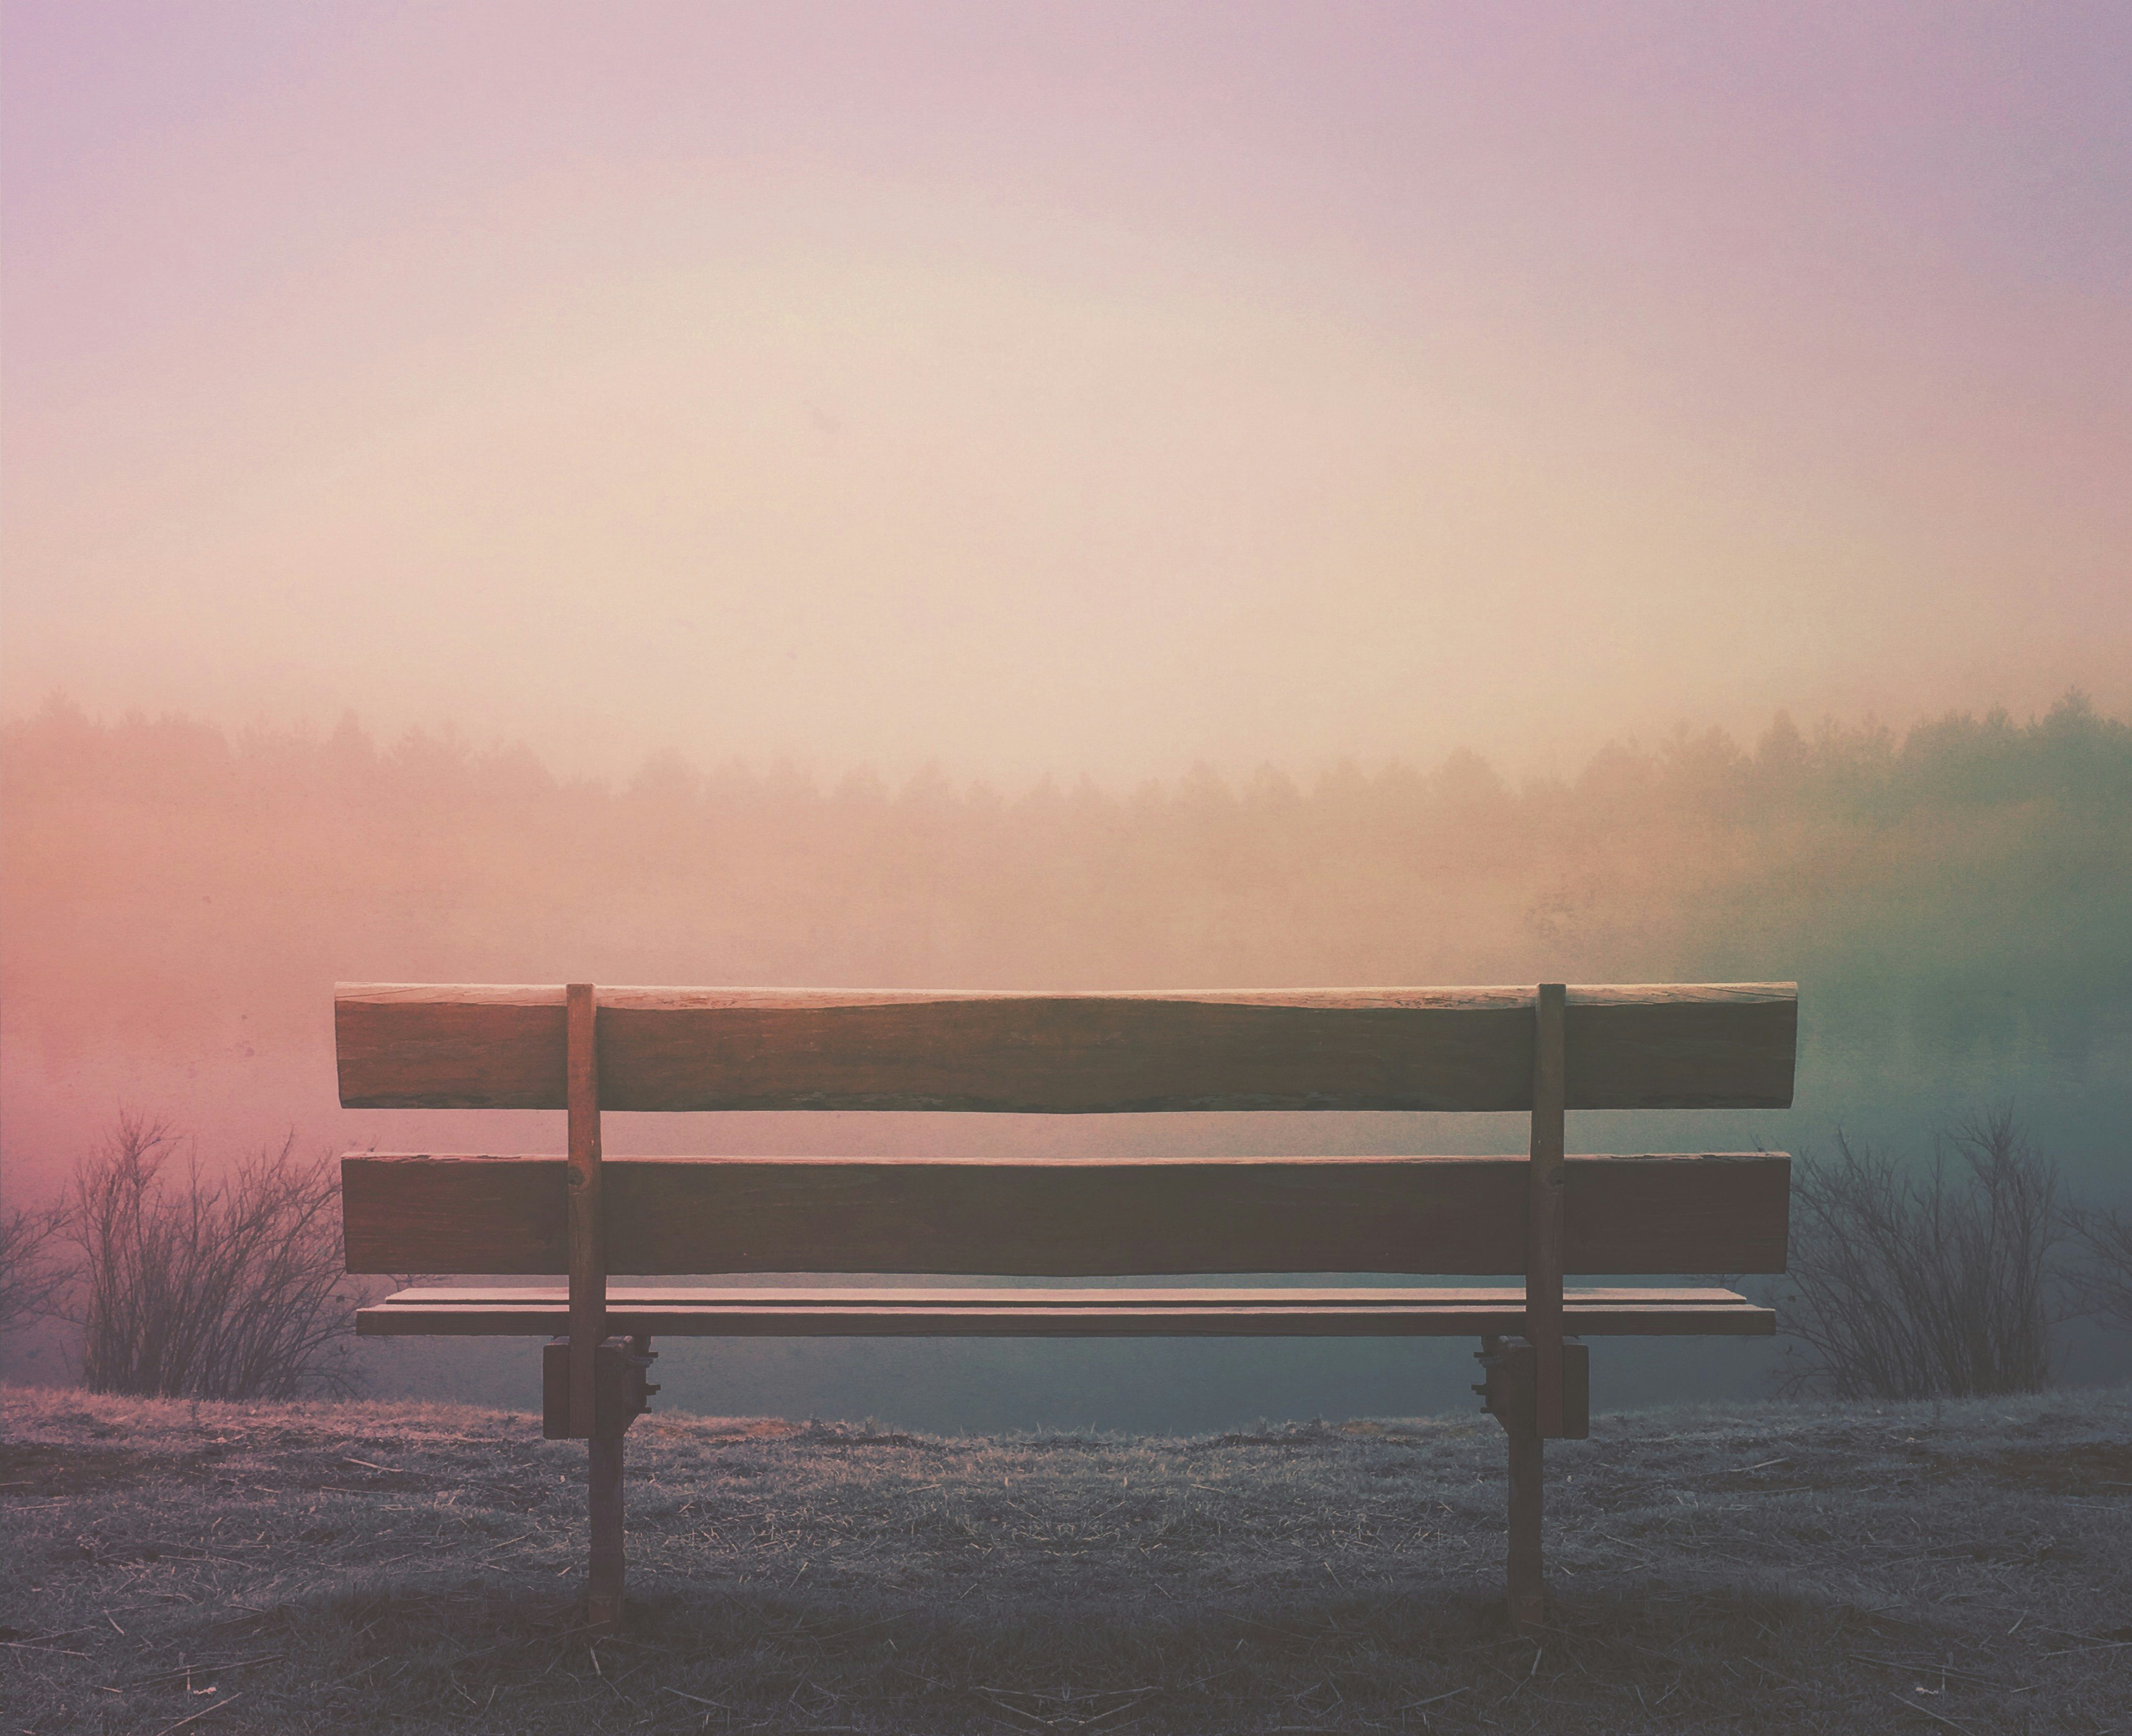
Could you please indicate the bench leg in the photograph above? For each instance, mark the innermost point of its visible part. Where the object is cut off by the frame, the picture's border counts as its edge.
(603, 1587)
(1528, 1591)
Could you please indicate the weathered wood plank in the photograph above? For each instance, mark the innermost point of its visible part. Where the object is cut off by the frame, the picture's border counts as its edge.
(1680, 1046)
(1093, 1313)
(1067, 1216)
(446, 1046)
(1090, 1296)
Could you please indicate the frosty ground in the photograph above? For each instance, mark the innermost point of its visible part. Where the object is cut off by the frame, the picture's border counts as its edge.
(369, 1567)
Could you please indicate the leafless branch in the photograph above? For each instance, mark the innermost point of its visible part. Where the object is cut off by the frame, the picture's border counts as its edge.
(31, 1273)
(2102, 1269)
(212, 1289)
(1944, 1284)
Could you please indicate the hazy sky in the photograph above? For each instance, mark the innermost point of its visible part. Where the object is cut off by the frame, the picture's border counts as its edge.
(1078, 385)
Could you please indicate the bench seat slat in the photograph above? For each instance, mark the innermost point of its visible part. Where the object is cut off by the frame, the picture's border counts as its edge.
(1097, 1313)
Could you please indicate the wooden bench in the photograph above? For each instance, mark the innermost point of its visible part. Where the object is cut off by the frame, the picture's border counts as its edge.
(1539, 1218)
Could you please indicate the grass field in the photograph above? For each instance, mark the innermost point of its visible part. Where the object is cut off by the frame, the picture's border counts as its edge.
(374, 1567)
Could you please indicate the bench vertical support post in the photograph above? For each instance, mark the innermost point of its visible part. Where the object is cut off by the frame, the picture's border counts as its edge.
(1528, 1588)
(588, 1245)
(603, 1584)
(1544, 1249)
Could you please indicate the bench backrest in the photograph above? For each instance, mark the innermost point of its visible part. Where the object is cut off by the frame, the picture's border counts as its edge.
(1726, 1046)
(1066, 1217)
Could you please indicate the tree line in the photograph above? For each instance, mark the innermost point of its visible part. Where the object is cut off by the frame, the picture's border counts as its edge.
(1965, 852)
(161, 876)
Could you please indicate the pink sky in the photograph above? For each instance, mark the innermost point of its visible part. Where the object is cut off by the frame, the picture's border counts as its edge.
(1071, 386)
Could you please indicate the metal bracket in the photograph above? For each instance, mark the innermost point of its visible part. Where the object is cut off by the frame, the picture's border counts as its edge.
(1510, 1392)
(621, 1393)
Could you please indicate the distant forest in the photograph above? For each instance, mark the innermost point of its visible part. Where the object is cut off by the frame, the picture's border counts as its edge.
(1972, 876)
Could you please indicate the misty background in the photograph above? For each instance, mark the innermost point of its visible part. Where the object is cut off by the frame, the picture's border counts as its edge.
(178, 904)
(1118, 494)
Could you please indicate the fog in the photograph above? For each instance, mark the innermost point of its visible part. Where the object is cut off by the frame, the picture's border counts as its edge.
(178, 904)
(1070, 496)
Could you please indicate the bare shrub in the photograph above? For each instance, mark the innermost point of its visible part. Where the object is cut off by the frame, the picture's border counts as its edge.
(1944, 1284)
(32, 1275)
(2102, 1269)
(209, 1289)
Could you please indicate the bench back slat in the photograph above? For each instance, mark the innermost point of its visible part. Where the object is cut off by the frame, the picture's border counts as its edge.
(1713, 1046)
(1067, 1217)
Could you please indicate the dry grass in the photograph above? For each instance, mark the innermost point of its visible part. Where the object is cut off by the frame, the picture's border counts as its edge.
(373, 1567)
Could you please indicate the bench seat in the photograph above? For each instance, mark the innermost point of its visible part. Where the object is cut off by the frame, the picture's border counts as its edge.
(1103, 1311)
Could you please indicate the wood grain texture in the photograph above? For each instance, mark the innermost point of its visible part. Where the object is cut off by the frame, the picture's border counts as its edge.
(1091, 1296)
(1108, 1312)
(1067, 1216)
(1544, 1207)
(1648, 1046)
